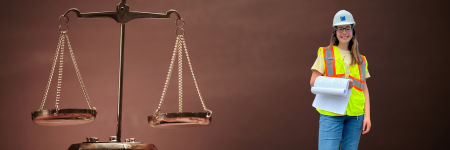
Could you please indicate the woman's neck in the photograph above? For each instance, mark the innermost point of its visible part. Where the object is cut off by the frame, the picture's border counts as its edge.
(343, 46)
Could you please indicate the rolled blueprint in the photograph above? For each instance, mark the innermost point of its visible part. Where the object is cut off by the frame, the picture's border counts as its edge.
(330, 86)
(332, 94)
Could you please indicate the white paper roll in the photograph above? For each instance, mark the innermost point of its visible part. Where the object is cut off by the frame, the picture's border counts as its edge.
(329, 91)
(330, 86)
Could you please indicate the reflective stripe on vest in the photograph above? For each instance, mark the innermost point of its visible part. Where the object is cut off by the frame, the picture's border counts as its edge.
(329, 58)
(362, 70)
(330, 69)
(359, 84)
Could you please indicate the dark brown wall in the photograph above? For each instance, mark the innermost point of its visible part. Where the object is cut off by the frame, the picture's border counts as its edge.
(252, 61)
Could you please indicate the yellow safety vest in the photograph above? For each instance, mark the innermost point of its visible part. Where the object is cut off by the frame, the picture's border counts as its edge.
(336, 68)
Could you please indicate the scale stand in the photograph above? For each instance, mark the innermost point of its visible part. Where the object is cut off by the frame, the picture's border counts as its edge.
(122, 15)
(59, 117)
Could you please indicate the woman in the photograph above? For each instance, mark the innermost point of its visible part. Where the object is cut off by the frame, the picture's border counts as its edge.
(342, 59)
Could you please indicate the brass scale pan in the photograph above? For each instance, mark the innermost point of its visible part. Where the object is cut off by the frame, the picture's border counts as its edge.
(167, 120)
(63, 117)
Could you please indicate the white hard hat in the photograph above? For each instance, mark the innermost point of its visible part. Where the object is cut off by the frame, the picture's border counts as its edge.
(343, 17)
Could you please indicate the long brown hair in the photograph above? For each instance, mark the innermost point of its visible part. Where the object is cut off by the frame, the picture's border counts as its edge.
(353, 46)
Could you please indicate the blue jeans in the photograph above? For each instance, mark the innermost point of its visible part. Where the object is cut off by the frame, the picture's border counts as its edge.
(344, 130)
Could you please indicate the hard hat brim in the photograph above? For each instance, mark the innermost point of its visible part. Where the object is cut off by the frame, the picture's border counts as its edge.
(344, 23)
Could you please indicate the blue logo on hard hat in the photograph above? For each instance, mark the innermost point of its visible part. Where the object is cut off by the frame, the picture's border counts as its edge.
(342, 18)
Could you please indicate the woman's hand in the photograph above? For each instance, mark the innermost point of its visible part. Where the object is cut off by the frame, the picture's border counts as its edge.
(366, 125)
(350, 84)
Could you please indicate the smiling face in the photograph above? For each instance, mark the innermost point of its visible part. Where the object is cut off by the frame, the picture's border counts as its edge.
(344, 33)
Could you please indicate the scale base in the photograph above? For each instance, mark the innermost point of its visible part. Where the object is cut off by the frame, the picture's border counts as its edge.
(111, 146)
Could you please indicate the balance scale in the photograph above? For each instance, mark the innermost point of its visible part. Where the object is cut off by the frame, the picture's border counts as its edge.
(61, 117)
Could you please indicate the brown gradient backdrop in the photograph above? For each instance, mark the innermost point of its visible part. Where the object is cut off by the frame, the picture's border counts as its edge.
(252, 60)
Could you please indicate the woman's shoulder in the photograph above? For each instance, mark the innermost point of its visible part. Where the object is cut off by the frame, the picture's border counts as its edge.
(320, 50)
(323, 48)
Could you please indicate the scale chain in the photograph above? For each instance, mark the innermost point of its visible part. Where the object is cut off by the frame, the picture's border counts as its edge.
(179, 45)
(180, 76)
(78, 73)
(60, 74)
(51, 72)
(60, 50)
(169, 74)
(193, 76)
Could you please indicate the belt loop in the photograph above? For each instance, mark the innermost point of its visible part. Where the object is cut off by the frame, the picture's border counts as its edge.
(356, 117)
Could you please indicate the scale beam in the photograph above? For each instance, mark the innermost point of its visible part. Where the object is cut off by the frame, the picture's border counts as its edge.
(123, 14)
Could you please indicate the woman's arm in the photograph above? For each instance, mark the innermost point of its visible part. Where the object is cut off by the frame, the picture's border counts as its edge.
(315, 74)
(366, 124)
